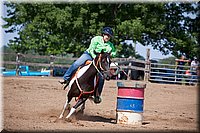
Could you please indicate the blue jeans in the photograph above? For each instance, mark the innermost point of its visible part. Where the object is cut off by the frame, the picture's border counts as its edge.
(100, 85)
(80, 61)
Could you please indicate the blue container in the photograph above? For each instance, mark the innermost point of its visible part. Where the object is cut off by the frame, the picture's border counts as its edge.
(130, 104)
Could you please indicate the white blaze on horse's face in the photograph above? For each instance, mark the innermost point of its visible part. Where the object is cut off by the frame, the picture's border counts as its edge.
(108, 60)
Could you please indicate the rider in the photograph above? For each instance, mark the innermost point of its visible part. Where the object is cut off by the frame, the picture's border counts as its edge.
(97, 44)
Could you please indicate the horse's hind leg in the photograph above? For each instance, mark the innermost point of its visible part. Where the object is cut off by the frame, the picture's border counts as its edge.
(73, 109)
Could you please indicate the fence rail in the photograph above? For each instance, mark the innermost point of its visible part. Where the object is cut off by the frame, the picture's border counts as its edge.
(153, 72)
(166, 73)
(65, 62)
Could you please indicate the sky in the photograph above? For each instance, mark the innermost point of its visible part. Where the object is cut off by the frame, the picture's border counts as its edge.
(140, 49)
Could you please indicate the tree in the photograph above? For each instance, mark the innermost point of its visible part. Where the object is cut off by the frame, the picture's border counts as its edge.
(179, 34)
(67, 28)
(169, 60)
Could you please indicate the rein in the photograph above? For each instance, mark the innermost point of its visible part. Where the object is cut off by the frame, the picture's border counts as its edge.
(95, 65)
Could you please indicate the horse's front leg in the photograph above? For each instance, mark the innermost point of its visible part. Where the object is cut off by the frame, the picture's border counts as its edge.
(73, 109)
(66, 106)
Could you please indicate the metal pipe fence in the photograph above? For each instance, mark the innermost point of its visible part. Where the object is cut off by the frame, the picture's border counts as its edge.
(174, 74)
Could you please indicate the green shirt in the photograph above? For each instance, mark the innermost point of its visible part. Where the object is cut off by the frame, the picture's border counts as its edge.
(97, 44)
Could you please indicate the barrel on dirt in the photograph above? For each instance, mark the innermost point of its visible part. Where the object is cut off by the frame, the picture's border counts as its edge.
(130, 102)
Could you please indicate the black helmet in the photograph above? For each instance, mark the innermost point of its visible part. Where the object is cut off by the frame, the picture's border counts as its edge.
(107, 30)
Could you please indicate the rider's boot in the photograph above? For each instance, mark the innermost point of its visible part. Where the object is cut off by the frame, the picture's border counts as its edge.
(65, 83)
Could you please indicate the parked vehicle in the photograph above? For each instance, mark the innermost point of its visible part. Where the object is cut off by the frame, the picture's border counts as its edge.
(59, 71)
(24, 71)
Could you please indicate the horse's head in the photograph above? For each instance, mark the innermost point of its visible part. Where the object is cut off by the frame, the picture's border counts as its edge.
(103, 62)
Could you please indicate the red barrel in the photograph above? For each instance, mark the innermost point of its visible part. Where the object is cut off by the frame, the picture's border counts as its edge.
(131, 92)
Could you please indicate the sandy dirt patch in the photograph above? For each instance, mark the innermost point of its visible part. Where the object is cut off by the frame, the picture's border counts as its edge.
(35, 103)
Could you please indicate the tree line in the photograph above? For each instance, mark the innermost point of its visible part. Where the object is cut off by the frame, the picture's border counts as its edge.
(62, 28)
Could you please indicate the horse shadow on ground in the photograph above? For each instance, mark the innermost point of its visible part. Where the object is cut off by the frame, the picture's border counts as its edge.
(79, 115)
(92, 118)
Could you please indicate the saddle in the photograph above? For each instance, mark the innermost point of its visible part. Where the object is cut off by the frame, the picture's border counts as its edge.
(87, 62)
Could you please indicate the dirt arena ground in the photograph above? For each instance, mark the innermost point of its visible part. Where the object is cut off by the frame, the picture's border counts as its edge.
(35, 103)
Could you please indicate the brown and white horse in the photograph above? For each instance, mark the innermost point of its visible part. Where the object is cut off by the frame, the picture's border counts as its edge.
(85, 80)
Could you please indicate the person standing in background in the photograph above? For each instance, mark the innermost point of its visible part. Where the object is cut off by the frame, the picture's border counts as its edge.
(193, 66)
(180, 63)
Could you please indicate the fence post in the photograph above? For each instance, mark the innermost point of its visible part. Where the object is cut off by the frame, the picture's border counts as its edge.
(176, 72)
(52, 59)
(129, 70)
(17, 63)
(147, 66)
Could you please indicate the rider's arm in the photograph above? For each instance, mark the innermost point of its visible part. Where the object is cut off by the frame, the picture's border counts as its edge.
(113, 52)
(92, 47)
(97, 45)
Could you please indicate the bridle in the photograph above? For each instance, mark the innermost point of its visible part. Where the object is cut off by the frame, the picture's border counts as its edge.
(100, 70)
